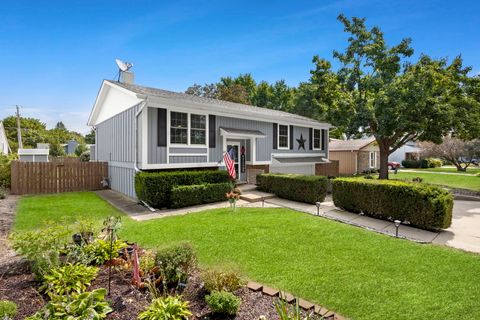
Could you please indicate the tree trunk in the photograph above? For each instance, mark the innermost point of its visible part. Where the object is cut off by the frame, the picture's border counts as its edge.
(384, 152)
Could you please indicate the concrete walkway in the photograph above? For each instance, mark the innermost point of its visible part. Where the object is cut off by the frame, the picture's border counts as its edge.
(438, 172)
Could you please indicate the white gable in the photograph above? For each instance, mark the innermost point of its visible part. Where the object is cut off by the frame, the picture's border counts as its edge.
(111, 100)
(4, 148)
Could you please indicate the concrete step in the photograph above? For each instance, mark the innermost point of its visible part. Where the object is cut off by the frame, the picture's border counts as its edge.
(246, 187)
(256, 196)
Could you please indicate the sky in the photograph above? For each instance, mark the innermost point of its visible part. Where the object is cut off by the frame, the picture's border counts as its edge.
(55, 54)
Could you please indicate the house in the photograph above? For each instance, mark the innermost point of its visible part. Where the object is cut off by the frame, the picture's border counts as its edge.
(355, 155)
(409, 151)
(141, 128)
(4, 146)
(33, 155)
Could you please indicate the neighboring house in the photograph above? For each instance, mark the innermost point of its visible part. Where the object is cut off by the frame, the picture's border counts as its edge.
(4, 146)
(70, 147)
(141, 128)
(356, 155)
(409, 151)
(33, 155)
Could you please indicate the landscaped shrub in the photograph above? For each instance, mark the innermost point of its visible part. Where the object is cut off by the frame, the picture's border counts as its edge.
(168, 308)
(8, 309)
(296, 187)
(71, 278)
(175, 262)
(223, 303)
(99, 250)
(411, 163)
(5, 170)
(422, 205)
(87, 305)
(430, 163)
(221, 280)
(155, 187)
(184, 196)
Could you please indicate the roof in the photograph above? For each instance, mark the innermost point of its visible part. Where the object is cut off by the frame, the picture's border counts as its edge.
(349, 145)
(220, 105)
(33, 151)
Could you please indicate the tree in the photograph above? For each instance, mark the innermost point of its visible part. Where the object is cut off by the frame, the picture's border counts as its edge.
(393, 100)
(56, 150)
(455, 150)
(207, 90)
(33, 131)
(60, 125)
(233, 93)
(90, 137)
(81, 148)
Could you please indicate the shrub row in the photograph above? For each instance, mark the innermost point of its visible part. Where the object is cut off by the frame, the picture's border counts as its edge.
(424, 206)
(424, 163)
(309, 189)
(155, 188)
(184, 196)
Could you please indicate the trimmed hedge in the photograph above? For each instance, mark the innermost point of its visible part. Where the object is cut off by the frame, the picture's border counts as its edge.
(185, 196)
(424, 163)
(155, 187)
(424, 206)
(296, 187)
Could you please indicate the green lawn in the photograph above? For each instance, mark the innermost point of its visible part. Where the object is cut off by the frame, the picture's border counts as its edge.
(360, 274)
(470, 170)
(471, 182)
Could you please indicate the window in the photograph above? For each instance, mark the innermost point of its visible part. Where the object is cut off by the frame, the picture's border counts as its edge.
(188, 128)
(317, 139)
(283, 137)
(373, 159)
(198, 131)
(179, 127)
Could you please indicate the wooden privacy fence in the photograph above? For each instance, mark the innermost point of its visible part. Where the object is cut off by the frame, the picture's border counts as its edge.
(329, 169)
(55, 177)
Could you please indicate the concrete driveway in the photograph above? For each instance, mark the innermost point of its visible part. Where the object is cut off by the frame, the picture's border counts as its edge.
(465, 230)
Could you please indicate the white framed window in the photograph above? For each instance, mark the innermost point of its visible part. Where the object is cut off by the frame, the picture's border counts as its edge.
(317, 139)
(283, 137)
(373, 159)
(188, 129)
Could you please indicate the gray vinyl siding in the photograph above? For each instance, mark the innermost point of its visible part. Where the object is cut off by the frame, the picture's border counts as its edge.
(115, 143)
(174, 150)
(187, 159)
(156, 154)
(122, 180)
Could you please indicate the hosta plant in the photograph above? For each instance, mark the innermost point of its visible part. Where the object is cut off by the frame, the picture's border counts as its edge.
(166, 308)
(100, 250)
(69, 279)
(84, 306)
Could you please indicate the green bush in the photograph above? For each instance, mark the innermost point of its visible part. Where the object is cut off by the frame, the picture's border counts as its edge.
(296, 187)
(168, 308)
(71, 278)
(411, 163)
(424, 206)
(99, 250)
(223, 303)
(176, 262)
(184, 196)
(87, 305)
(430, 163)
(155, 187)
(221, 280)
(5, 171)
(8, 309)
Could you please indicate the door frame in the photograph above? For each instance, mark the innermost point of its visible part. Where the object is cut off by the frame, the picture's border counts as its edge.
(239, 146)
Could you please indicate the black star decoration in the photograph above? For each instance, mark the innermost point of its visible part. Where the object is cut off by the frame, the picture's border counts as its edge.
(301, 142)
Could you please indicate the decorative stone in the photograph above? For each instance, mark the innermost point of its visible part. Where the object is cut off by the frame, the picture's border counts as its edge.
(270, 292)
(287, 297)
(329, 315)
(338, 317)
(254, 286)
(320, 310)
(304, 304)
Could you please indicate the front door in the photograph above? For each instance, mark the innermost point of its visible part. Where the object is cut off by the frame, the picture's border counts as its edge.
(236, 157)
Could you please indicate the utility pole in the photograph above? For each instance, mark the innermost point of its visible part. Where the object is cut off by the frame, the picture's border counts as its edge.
(19, 131)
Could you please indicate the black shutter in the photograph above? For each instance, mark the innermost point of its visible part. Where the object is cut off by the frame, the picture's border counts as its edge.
(162, 127)
(275, 136)
(290, 133)
(310, 139)
(212, 129)
(324, 139)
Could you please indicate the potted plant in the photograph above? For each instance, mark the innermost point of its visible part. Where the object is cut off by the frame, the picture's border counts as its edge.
(233, 196)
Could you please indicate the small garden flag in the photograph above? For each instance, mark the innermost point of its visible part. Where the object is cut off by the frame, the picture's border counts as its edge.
(229, 163)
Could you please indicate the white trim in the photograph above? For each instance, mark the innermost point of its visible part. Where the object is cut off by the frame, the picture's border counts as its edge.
(189, 129)
(253, 147)
(288, 136)
(313, 139)
(122, 164)
(374, 153)
(188, 155)
(223, 132)
(259, 162)
(298, 155)
(144, 119)
(152, 166)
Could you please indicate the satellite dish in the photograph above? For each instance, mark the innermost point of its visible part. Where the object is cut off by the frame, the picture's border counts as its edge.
(123, 66)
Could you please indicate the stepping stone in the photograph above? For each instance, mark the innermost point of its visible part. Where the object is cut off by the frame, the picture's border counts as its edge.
(304, 304)
(270, 292)
(287, 297)
(329, 315)
(254, 286)
(320, 310)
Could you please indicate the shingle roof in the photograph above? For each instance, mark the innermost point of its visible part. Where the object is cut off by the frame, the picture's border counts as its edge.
(218, 104)
(353, 144)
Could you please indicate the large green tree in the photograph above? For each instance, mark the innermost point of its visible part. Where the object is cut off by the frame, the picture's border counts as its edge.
(33, 131)
(392, 99)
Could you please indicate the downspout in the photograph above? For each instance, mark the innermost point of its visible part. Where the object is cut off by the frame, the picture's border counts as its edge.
(135, 154)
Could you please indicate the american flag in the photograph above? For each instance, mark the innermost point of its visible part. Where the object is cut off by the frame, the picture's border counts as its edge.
(229, 163)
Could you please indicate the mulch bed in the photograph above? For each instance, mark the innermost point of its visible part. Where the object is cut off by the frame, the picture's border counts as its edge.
(18, 285)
